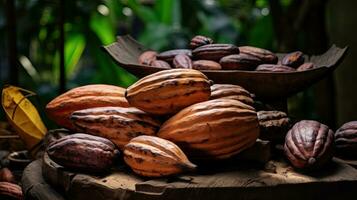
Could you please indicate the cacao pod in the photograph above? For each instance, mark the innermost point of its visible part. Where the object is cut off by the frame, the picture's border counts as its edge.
(89, 96)
(309, 144)
(214, 51)
(55, 134)
(160, 64)
(232, 92)
(346, 140)
(240, 61)
(10, 191)
(264, 55)
(274, 68)
(200, 40)
(182, 61)
(206, 65)
(147, 57)
(168, 91)
(169, 55)
(155, 157)
(83, 152)
(273, 125)
(214, 129)
(6, 176)
(294, 59)
(306, 66)
(117, 124)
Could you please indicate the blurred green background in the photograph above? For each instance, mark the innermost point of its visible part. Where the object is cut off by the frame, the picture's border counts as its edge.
(278, 25)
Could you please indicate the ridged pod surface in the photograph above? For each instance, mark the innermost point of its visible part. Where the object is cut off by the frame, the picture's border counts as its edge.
(273, 125)
(215, 129)
(235, 92)
(346, 140)
(274, 68)
(89, 96)
(309, 144)
(264, 55)
(83, 152)
(117, 124)
(10, 191)
(169, 91)
(155, 157)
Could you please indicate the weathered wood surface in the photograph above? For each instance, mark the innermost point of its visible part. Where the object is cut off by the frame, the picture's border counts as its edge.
(279, 180)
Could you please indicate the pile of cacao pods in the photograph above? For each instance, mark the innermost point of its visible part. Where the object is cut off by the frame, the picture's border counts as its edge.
(203, 54)
(168, 118)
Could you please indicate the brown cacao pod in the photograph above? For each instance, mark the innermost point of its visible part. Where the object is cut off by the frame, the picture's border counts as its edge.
(10, 191)
(182, 61)
(147, 57)
(309, 144)
(83, 152)
(160, 64)
(206, 65)
(214, 51)
(168, 91)
(200, 40)
(240, 61)
(274, 68)
(6, 176)
(89, 96)
(235, 92)
(169, 55)
(55, 134)
(117, 124)
(346, 140)
(294, 59)
(155, 157)
(306, 66)
(264, 55)
(273, 125)
(214, 129)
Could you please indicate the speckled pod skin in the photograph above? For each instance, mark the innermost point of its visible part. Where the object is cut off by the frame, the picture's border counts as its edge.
(294, 59)
(346, 140)
(309, 145)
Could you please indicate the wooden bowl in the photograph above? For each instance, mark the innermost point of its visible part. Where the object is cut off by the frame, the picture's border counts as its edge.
(265, 85)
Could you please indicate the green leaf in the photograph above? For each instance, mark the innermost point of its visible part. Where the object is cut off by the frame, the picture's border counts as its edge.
(103, 28)
(146, 14)
(261, 34)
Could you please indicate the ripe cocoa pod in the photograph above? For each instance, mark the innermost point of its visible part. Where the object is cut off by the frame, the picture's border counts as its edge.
(346, 140)
(168, 91)
(10, 191)
(235, 92)
(294, 59)
(240, 61)
(55, 134)
(214, 51)
(200, 40)
(306, 66)
(147, 57)
(119, 125)
(155, 157)
(83, 152)
(182, 61)
(6, 176)
(206, 65)
(309, 145)
(160, 64)
(274, 68)
(273, 125)
(264, 55)
(89, 96)
(214, 129)
(169, 56)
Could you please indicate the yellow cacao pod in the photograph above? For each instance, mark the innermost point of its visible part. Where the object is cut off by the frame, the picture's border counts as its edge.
(155, 157)
(231, 91)
(89, 96)
(169, 91)
(214, 129)
(117, 124)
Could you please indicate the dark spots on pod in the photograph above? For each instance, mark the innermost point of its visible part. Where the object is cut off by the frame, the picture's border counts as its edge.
(139, 160)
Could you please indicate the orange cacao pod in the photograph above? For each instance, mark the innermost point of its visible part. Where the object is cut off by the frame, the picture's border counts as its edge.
(117, 124)
(232, 92)
(169, 91)
(89, 96)
(10, 191)
(155, 157)
(214, 129)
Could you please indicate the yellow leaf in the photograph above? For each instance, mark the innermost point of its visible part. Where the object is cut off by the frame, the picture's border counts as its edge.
(23, 116)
